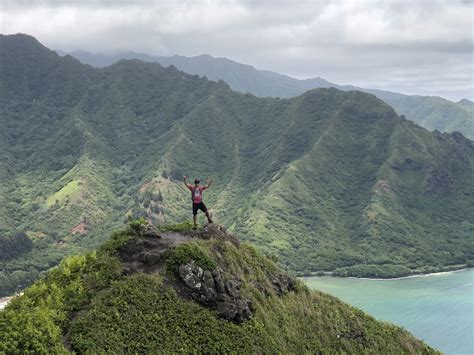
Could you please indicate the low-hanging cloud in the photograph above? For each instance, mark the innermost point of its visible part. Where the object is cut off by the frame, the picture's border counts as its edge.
(416, 47)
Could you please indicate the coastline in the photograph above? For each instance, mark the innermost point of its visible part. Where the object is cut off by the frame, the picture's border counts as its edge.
(435, 307)
(407, 277)
(440, 271)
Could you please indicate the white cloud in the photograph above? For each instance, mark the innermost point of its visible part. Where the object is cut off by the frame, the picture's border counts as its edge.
(397, 44)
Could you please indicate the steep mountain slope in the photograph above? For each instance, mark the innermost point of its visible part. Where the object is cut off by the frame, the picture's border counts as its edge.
(433, 113)
(327, 180)
(186, 291)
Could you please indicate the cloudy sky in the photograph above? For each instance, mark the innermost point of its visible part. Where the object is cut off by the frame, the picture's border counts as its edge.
(410, 46)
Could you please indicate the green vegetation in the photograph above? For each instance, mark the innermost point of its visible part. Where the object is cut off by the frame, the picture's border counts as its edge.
(389, 270)
(430, 112)
(65, 192)
(177, 227)
(35, 321)
(328, 180)
(88, 305)
(13, 245)
(182, 254)
(170, 325)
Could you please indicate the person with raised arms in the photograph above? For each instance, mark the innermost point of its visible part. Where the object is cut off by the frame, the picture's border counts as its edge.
(196, 196)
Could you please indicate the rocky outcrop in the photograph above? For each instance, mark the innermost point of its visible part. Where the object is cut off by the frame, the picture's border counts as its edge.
(209, 288)
(283, 284)
(144, 230)
(147, 254)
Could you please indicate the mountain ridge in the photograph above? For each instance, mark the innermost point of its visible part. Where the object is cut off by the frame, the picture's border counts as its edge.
(328, 180)
(431, 112)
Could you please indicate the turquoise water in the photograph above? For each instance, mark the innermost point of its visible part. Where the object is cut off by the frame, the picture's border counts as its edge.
(437, 308)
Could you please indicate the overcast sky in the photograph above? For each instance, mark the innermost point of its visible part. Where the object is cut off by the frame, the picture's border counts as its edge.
(410, 46)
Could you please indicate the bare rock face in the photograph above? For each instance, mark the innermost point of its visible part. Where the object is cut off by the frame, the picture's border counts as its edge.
(210, 289)
(283, 284)
(147, 252)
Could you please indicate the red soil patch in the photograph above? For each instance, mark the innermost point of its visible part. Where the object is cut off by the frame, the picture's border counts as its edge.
(81, 229)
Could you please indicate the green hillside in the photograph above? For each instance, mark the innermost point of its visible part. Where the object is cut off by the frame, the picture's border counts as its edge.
(189, 292)
(430, 112)
(328, 180)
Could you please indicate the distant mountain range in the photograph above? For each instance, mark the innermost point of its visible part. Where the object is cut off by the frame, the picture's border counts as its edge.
(328, 180)
(433, 113)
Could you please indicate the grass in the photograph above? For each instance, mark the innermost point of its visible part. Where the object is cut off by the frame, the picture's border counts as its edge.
(177, 227)
(67, 191)
(184, 253)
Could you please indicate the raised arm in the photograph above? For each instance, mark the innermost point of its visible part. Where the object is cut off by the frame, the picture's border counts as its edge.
(210, 181)
(185, 180)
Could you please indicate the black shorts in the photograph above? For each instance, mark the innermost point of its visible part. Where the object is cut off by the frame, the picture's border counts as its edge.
(199, 206)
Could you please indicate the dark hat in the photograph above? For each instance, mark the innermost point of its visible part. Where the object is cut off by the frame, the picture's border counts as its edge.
(197, 181)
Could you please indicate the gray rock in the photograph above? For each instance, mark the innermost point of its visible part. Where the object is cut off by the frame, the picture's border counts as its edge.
(226, 307)
(210, 289)
(191, 274)
(244, 311)
(218, 276)
(237, 310)
(282, 284)
(233, 288)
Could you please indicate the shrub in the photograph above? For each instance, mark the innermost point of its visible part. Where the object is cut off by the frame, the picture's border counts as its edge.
(116, 241)
(178, 227)
(184, 253)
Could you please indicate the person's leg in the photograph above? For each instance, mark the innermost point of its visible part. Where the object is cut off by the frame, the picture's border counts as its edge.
(208, 217)
(195, 211)
(204, 209)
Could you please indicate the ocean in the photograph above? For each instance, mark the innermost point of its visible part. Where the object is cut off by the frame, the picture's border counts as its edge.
(437, 308)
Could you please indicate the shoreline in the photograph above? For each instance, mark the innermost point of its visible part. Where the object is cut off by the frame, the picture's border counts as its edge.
(406, 277)
(421, 274)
